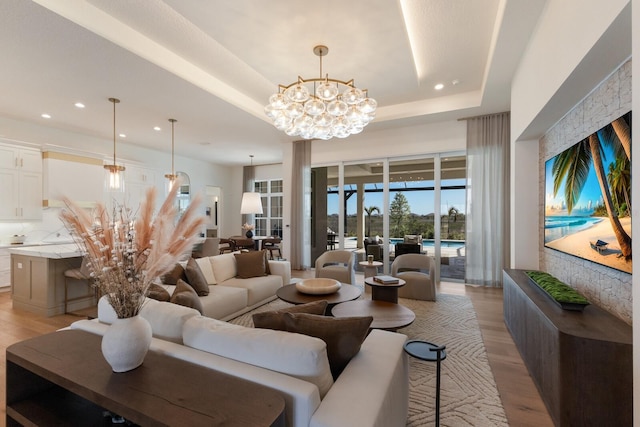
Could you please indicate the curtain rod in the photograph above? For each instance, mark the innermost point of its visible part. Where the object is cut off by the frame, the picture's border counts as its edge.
(486, 115)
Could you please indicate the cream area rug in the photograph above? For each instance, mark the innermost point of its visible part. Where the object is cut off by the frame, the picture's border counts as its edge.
(468, 394)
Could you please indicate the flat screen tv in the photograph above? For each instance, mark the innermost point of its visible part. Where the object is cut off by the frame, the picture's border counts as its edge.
(588, 197)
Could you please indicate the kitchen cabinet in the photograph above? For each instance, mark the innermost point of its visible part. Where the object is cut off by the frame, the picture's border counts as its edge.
(137, 180)
(5, 268)
(79, 178)
(37, 279)
(21, 177)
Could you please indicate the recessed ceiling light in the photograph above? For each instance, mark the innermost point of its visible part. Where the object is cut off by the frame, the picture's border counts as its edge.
(156, 128)
(455, 82)
(122, 135)
(79, 104)
(45, 116)
(439, 86)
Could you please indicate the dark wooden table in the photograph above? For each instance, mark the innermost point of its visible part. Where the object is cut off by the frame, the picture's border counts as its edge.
(346, 292)
(581, 362)
(386, 315)
(384, 291)
(62, 379)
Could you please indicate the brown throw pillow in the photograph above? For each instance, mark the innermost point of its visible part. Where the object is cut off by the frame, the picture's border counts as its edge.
(185, 295)
(171, 278)
(157, 292)
(196, 278)
(251, 264)
(343, 335)
(275, 319)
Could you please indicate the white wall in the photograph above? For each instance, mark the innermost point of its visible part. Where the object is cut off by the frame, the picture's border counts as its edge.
(524, 205)
(572, 48)
(201, 173)
(419, 139)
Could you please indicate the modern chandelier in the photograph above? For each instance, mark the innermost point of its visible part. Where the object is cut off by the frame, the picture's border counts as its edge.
(331, 108)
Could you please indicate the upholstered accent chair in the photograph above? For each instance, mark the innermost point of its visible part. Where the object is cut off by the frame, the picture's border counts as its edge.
(337, 265)
(418, 271)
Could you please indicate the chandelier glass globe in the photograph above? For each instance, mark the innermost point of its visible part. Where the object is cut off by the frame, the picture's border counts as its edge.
(321, 108)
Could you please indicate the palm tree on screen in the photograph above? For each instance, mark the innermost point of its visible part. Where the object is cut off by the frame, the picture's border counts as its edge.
(572, 166)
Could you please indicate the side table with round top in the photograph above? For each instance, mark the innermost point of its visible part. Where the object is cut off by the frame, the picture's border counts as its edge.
(384, 291)
(370, 268)
(290, 294)
(386, 315)
(429, 352)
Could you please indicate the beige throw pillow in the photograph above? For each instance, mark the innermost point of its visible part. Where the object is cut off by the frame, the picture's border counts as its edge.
(196, 278)
(158, 293)
(185, 295)
(275, 319)
(171, 278)
(251, 264)
(343, 335)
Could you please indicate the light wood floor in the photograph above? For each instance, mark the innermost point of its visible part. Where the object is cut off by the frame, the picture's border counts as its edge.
(520, 397)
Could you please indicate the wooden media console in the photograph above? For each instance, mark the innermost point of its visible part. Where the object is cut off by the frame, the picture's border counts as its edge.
(581, 362)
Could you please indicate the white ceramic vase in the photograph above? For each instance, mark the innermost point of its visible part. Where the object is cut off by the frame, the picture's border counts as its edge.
(126, 342)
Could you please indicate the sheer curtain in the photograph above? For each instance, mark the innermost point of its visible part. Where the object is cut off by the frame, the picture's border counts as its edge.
(301, 206)
(488, 140)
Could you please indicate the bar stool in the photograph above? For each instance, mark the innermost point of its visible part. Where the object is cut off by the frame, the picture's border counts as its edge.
(81, 274)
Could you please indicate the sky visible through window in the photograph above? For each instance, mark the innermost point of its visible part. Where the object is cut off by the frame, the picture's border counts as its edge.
(421, 202)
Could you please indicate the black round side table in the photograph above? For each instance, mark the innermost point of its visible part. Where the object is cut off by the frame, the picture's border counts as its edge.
(429, 352)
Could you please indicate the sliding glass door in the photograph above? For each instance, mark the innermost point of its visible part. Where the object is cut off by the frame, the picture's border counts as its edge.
(390, 206)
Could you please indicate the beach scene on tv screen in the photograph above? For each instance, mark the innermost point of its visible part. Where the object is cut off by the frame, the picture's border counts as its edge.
(588, 197)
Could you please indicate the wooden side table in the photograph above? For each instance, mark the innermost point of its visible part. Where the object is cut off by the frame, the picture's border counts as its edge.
(429, 352)
(384, 291)
(370, 268)
(62, 379)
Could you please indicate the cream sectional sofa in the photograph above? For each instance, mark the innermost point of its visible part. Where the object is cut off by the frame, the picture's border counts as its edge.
(372, 390)
(230, 296)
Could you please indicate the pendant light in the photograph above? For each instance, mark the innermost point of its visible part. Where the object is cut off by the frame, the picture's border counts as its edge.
(171, 176)
(114, 179)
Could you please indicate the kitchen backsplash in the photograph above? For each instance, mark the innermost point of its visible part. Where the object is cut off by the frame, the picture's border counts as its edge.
(49, 230)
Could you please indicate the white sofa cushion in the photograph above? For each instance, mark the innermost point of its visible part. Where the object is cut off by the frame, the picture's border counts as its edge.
(258, 288)
(224, 301)
(166, 319)
(224, 266)
(373, 390)
(297, 355)
(207, 270)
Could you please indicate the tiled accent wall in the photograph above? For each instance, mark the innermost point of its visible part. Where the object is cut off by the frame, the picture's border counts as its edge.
(603, 286)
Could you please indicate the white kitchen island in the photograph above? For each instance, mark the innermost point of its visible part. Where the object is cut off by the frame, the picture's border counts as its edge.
(37, 278)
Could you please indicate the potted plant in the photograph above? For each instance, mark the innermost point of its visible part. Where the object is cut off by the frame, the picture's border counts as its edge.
(125, 254)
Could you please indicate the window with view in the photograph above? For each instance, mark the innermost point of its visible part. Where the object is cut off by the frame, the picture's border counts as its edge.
(269, 223)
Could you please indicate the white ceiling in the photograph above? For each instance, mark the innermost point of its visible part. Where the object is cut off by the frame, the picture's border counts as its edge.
(213, 64)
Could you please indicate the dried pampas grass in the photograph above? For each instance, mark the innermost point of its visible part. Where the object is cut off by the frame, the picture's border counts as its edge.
(125, 253)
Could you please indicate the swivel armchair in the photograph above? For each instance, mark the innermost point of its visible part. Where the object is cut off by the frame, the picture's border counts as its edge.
(419, 272)
(337, 265)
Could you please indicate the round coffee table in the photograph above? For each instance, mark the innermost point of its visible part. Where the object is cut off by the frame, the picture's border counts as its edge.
(346, 292)
(386, 315)
(384, 291)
